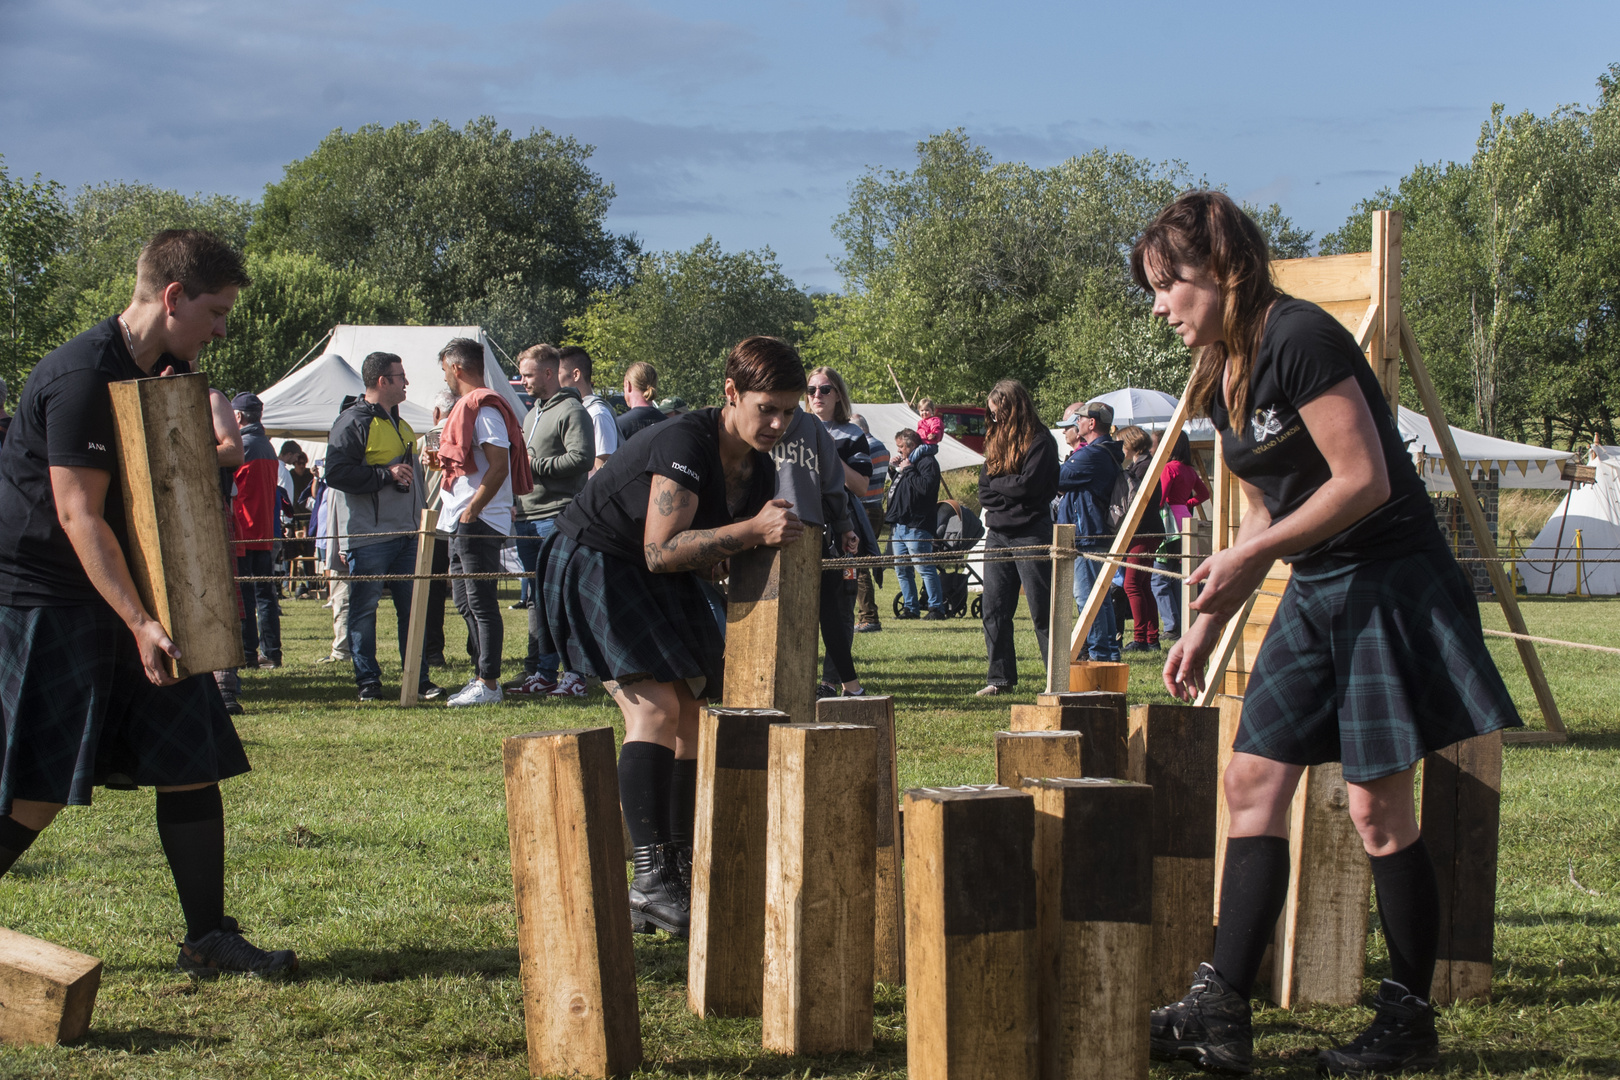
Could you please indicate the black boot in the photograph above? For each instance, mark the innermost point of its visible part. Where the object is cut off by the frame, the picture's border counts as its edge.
(683, 866)
(1400, 1038)
(1209, 1027)
(658, 898)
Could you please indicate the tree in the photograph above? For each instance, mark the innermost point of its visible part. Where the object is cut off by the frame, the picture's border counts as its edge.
(682, 312)
(33, 221)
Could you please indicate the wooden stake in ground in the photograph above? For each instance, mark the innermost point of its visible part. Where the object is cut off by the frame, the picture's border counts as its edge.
(1094, 869)
(770, 642)
(970, 935)
(1060, 618)
(820, 868)
(1022, 755)
(1462, 811)
(1174, 748)
(46, 992)
(573, 910)
(1102, 719)
(877, 711)
(726, 953)
(417, 632)
(1321, 946)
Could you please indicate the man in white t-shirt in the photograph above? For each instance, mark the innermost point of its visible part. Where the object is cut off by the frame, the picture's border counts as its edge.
(478, 506)
(574, 370)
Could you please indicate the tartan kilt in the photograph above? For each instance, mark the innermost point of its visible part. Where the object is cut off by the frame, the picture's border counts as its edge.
(615, 619)
(1374, 665)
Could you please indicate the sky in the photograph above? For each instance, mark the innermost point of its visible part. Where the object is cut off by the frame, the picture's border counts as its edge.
(748, 121)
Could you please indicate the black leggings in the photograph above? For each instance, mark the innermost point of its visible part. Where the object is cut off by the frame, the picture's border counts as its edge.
(837, 627)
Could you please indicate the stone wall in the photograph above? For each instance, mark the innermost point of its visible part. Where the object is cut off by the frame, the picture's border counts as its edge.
(1448, 510)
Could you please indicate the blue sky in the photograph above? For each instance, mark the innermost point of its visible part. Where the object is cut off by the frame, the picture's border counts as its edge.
(748, 120)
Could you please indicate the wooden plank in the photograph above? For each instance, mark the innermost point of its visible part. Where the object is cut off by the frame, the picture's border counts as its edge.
(820, 867)
(770, 643)
(1324, 279)
(1175, 749)
(47, 992)
(573, 911)
(1060, 619)
(1462, 810)
(1103, 718)
(1094, 873)
(1384, 345)
(417, 631)
(725, 955)
(1036, 754)
(1231, 634)
(877, 711)
(1534, 738)
(179, 556)
(971, 935)
(1321, 947)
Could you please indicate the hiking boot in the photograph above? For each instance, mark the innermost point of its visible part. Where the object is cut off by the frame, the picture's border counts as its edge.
(659, 899)
(1400, 1038)
(683, 864)
(226, 951)
(1209, 1027)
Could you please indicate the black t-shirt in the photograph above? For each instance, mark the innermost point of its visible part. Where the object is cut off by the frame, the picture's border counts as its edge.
(610, 515)
(637, 418)
(1304, 353)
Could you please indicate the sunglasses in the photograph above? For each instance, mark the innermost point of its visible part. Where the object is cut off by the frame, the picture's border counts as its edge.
(824, 388)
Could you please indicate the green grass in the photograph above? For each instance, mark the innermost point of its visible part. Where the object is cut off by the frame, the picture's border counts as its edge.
(373, 841)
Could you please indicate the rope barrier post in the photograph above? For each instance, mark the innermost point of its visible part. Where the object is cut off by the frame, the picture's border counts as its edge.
(1580, 565)
(1061, 617)
(420, 588)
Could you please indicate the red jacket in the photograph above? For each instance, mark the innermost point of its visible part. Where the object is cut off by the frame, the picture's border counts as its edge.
(254, 508)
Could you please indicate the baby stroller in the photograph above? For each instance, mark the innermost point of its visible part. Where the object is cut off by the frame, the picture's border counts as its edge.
(957, 528)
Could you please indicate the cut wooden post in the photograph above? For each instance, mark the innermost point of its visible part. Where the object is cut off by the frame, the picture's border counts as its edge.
(1175, 749)
(820, 868)
(1036, 754)
(1102, 718)
(1321, 948)
(1094, 870)
(770, 642)
(1060, 619)
(46, 992)
(179, 556)
(579, 973)
(877, 711)
(971, 935)
(1108, 676)
(1462, 811)
(726, 950)
(417, 631)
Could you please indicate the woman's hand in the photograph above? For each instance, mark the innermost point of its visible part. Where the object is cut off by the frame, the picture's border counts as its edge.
(777, 525)
(1184, 667)
(1229, 578)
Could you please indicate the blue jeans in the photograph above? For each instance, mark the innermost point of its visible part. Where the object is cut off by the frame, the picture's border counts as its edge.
(1167, 592)
(1102, 643)
(528, 552)
(909, 541)
(261, 626)
(396, 555)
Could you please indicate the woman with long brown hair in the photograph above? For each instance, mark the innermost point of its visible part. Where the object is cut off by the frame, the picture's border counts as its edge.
(1374, 658)
(1016, 489)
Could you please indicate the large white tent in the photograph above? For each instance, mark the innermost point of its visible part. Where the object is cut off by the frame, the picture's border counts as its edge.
(885, 420)
(1520, 464)
(1594, 510)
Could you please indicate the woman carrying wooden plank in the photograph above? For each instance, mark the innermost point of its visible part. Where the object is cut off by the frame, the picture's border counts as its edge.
(1374, 658)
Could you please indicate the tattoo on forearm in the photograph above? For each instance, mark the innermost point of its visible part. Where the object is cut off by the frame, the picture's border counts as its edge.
(692, 549)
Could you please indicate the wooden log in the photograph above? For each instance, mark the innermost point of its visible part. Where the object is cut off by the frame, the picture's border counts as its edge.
(725, 958)
(1174, 748)
(1104, 675)
(1094, 870)
(1036, 754)
(971, 935)
(579, 973)
(1060, 615)
(770, 643)
(179, 556)
(47, 992)
(1462, 813)
(820, 871)
(877, 711)
(1102, 719)
(1321, 947)
(417, 627)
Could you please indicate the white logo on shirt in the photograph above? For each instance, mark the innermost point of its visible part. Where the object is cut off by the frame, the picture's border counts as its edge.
(684, 469)
(1265, 424)
(98, 446)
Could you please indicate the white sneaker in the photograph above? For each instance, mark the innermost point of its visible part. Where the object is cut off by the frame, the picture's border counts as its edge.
(571, 684)
(477, 694)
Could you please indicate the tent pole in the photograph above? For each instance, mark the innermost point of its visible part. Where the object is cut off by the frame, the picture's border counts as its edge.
(324, 339)
(1559, 543)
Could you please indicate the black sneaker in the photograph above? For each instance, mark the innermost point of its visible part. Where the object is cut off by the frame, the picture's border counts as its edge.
(826, 690)
(1209, 1027)
(868, 628)
(226, 951)
(371, 691)
(431, 692)
(935, 615)
(1401, 1038)
(232, 706)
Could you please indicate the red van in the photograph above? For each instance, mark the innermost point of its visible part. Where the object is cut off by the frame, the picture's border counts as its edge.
(965, 423)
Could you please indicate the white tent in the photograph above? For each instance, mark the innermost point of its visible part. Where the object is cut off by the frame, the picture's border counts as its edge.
(1520, 464)
(1594, 509)
(885, 420)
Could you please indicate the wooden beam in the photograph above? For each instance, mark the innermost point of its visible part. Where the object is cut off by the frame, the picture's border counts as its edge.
(971, 935)
(1384, 346)
(1231, 634)
(1325, 279)
(770, 643)
(1036, 755)
(420, 588)
(1060, 619)
(820, 865)
(1103, 719)
(47, 992)
(573, 911)
(1321, 947)
(1462, 811)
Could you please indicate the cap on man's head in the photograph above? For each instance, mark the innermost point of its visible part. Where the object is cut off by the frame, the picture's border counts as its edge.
(247, 402)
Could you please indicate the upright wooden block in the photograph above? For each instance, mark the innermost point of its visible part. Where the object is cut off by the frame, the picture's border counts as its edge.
(579, 973)
(1462, 813)
(725, 954)
(820, 870)
(179, 556)
(1174, 748)
(1102, 717)
(770, 640)
(46, 992)
(877, 711)
(971, 935)
(1094, 870)
(1321, 947)
(1106, 675)
(1036, 754)
(1231, 710)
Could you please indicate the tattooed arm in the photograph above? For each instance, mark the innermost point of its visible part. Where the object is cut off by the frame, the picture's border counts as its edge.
(672, 545)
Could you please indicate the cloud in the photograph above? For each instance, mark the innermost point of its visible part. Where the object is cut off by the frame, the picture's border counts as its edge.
(901, 30)
(629, 39)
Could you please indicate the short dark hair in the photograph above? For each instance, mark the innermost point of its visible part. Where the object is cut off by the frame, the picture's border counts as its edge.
(375, 366)
(465, 353)
(577, 357)
(200, 261)
(767, 364)
(906, 434)
(289, 448)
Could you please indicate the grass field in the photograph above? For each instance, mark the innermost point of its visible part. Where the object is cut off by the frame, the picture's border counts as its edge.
(373, 841)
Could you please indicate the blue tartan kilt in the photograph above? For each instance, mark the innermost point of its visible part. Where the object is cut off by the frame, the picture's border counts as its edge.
(615, 619)
(1374, 665)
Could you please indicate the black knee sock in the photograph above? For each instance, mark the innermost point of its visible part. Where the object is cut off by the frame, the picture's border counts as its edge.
(644, 782)
(15, 838)
(191, 825)
(1254, 887)
(1409, 908)
(682, 801)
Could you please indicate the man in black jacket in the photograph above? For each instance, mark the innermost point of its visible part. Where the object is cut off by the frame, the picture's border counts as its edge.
(913, 503)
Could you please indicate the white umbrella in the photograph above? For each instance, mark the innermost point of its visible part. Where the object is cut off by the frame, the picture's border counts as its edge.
(1135, 406)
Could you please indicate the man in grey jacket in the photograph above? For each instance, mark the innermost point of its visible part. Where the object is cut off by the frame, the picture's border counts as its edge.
(561, 441)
